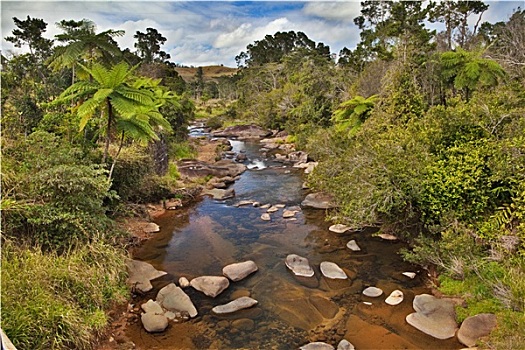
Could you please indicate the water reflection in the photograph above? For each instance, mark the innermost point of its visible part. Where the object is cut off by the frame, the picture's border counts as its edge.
(202, 239)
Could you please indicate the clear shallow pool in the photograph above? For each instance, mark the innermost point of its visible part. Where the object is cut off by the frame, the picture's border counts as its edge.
(204, 238)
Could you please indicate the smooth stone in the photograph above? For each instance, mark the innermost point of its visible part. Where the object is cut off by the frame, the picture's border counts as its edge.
(152, 307)
(272, 209)
(345, 345)
(170, 315)
(266, 217)
(352, 245)
(367, 303)
(339, 228)
(219, 194)
(265, 206)
(141, 273)
(433, 316)
(210, 285)
(475, 327)
(256, 204)
(243, 324)
(410, 275)
(318, 345)
(299, 265)
(239, 271)
(289, 214)
(372, 292)
(183, 282)
(280, 206)
(332, 270)
(395, 298)
(242, 203)
(151, 227)
(318, 201)
(173, 298)
(387, 237)
(235, 305)
(154, 323)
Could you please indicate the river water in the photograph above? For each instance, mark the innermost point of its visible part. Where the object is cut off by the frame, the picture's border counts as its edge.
(202, 239)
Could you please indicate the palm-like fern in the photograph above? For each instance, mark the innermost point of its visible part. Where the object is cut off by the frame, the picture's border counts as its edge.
(352, 113)
(469, 70)
(129, 104)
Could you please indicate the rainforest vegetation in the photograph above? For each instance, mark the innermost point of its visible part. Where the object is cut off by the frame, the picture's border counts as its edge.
(417, 132)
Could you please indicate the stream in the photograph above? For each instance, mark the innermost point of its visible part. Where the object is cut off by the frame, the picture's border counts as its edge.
(291, 312)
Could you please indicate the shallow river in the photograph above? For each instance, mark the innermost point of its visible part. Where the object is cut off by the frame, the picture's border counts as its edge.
(202, 239)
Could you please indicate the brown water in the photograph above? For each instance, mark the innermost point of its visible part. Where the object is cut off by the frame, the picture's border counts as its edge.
(204, 238)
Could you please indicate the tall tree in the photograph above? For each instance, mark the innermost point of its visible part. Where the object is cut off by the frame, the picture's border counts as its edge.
(124, 100)
(29, 32)
(148, 46)
(84, 45)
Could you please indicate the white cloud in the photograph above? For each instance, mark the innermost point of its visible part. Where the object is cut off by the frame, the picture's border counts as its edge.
(333, 11)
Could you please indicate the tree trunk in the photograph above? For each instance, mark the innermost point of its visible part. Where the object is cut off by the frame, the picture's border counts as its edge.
(108, 130)
(115, 158)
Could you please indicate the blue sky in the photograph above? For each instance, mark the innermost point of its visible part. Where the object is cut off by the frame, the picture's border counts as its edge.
(210, 32)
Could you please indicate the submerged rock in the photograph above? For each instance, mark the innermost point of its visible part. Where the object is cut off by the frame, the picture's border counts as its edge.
(395, 298)
(332, 270)
(372, 292)
(239, 271)
(210, 285)
(173, 298)
(433, 316)
(141, 273)
(318, 201)
(299, 265)
(475, 327)
(235, 305)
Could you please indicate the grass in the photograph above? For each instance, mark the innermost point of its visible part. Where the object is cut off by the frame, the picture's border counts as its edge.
(182, 150)
(52, 301)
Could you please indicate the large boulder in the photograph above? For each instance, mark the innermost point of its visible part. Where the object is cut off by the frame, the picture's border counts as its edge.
(475, 327)
(239, 271)
(174, 299)
(141, 273)
(152, 307)
(433, 316)
(235, 305)
(219, 194)
(210, 285)
(318, 200)
(198, 168)
(243, 132)
(332, 270)
(153, 322)
(299, 265)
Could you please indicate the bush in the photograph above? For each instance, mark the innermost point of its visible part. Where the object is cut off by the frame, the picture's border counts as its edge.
(52, 301)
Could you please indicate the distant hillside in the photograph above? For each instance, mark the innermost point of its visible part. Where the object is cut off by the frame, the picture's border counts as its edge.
(209, 72)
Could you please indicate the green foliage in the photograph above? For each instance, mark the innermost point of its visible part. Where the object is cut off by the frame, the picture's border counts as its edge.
(182, 150)
(57, 199)
(352, 113)
(54, 301)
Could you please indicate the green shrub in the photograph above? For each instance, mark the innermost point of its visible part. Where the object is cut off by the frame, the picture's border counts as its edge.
(182, 150)
(52, 301)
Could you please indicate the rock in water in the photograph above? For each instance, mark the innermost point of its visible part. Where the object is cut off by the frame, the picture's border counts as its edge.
(153, 322)
(475, 327)
(317, 346)
(318, 201)
(433, 316)
(173, 298)
(141, 273)
(352, 245)
(235, 305)
(151, 227)
(239, 271)
(410, 275)
(395, 298)
(210, 285)
(332, 270)
(345, 345)
(183, 282)
(339, 228)
(372, 292)
(152, 307)
(266, 217)
(299, 265)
